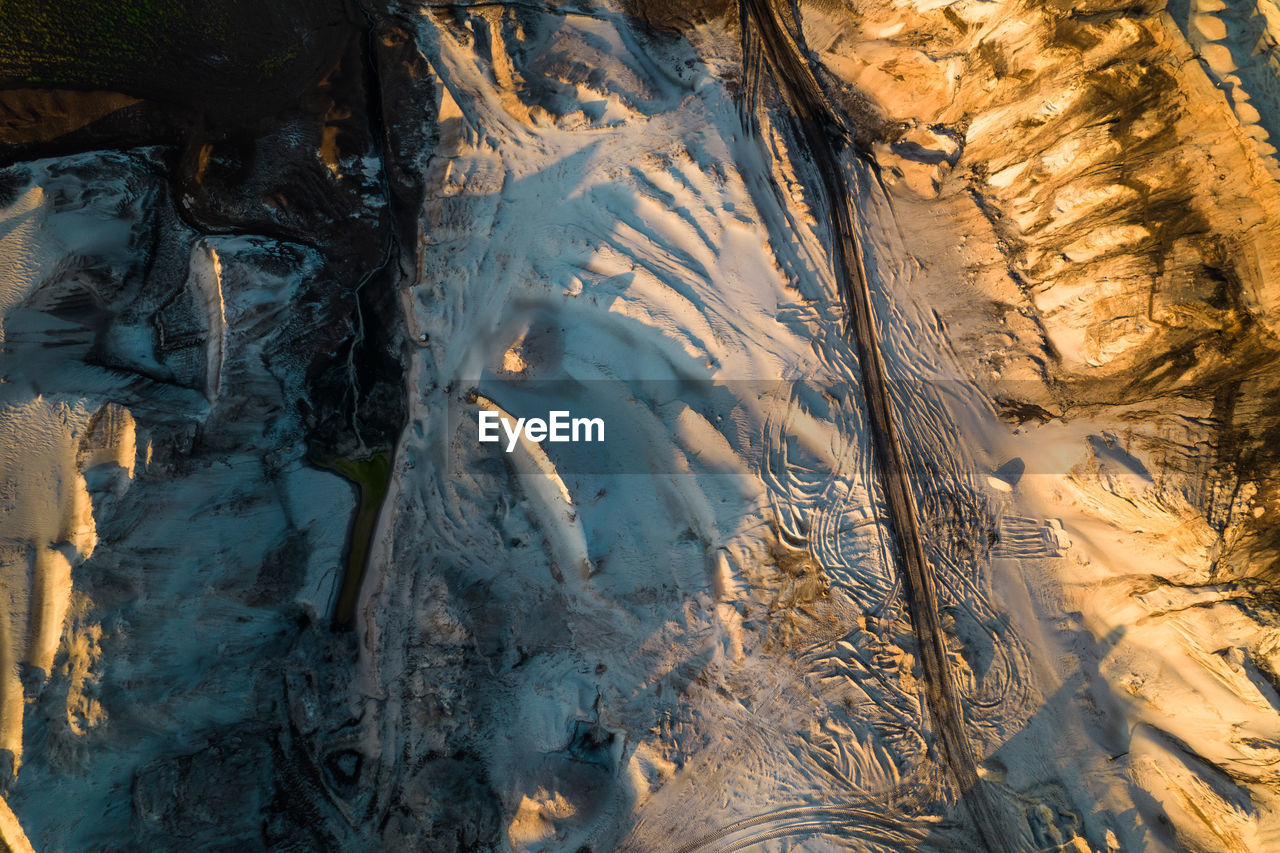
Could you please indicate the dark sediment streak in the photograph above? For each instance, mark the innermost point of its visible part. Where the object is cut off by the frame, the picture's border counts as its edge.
(823, 135)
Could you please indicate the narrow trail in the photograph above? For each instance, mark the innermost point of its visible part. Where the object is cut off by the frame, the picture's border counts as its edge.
(767, 41)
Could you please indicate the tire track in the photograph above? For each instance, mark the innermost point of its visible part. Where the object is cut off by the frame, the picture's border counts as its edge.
(766, 41)
(865, 821)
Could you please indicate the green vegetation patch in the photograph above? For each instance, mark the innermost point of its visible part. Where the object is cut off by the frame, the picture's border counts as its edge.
(372, 477)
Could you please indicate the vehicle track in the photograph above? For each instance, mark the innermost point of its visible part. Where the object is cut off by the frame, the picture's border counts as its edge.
(767, 42)
(865, 820)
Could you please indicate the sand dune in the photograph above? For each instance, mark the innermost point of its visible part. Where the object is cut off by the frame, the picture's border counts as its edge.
(935, 349)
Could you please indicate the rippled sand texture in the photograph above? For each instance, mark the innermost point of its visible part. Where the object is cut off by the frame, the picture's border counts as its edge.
(1047, 170)
(1064, 218)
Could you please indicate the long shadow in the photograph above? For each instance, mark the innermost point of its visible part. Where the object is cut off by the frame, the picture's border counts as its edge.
(1246, 40)
(1045, 814)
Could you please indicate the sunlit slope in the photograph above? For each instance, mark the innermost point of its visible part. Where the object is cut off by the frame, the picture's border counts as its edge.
(700, 639)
